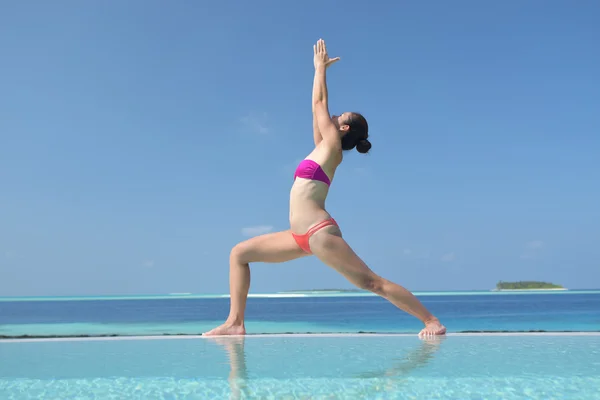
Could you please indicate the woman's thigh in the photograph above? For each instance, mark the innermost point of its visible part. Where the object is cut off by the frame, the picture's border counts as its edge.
(329, 247)
(275, 247)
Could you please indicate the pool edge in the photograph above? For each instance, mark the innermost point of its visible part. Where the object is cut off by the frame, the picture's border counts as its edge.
(288, 335)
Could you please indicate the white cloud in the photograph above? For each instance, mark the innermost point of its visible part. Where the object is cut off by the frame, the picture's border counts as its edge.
(448, 257)
(256, 230)
(406, 252)
(256, 123)
(532, 249)
(534, 244)
(148, 263)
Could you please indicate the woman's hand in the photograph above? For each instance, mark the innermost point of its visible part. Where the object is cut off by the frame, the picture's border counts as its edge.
(321, 59)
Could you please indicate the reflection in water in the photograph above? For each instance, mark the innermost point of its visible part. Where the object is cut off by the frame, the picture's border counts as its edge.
(413, 360)
(238, 373)
(388, 380)
(391, 379)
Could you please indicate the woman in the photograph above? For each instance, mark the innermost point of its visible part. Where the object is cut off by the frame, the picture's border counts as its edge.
(312, 229)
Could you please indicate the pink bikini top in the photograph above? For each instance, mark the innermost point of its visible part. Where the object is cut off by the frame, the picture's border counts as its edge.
(308, 169)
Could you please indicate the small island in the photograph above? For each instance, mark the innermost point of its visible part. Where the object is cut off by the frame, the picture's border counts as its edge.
(527, 285)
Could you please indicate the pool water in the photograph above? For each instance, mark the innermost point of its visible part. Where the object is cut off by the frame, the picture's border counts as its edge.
(460, 366)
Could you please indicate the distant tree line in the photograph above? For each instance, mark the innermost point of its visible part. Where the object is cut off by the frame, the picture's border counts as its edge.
(527, 285)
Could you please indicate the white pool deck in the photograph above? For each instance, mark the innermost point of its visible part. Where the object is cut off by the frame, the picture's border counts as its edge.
(290, 335)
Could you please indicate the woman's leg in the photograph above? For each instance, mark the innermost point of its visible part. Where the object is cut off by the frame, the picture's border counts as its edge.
(329, 246)
(269, 248)
(238, 372)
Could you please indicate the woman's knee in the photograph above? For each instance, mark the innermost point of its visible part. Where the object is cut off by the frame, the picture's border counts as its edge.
(241, 252)
(372, 283)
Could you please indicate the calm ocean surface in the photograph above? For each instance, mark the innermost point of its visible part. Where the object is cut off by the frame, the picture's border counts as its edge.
(344, 313)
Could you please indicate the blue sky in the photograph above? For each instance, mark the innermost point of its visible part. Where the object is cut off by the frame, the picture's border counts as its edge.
(141, 140)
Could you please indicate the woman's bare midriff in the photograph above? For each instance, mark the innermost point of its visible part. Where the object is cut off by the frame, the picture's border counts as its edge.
(307, 204)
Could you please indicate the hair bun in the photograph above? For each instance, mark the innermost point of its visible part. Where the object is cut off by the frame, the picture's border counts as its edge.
(363, 146)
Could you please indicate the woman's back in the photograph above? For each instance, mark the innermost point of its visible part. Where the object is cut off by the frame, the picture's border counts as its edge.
(311, 186)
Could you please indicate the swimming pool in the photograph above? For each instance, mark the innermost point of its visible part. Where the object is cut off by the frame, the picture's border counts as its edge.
(460, 366)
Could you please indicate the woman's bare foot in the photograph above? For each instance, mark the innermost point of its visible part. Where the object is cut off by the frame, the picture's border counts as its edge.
(433, 327)
(226, 329)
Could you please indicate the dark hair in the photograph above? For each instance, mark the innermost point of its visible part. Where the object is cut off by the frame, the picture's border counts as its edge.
(357, 134)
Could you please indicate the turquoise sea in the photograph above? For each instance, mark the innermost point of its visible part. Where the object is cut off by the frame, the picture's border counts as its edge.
(481, 311)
